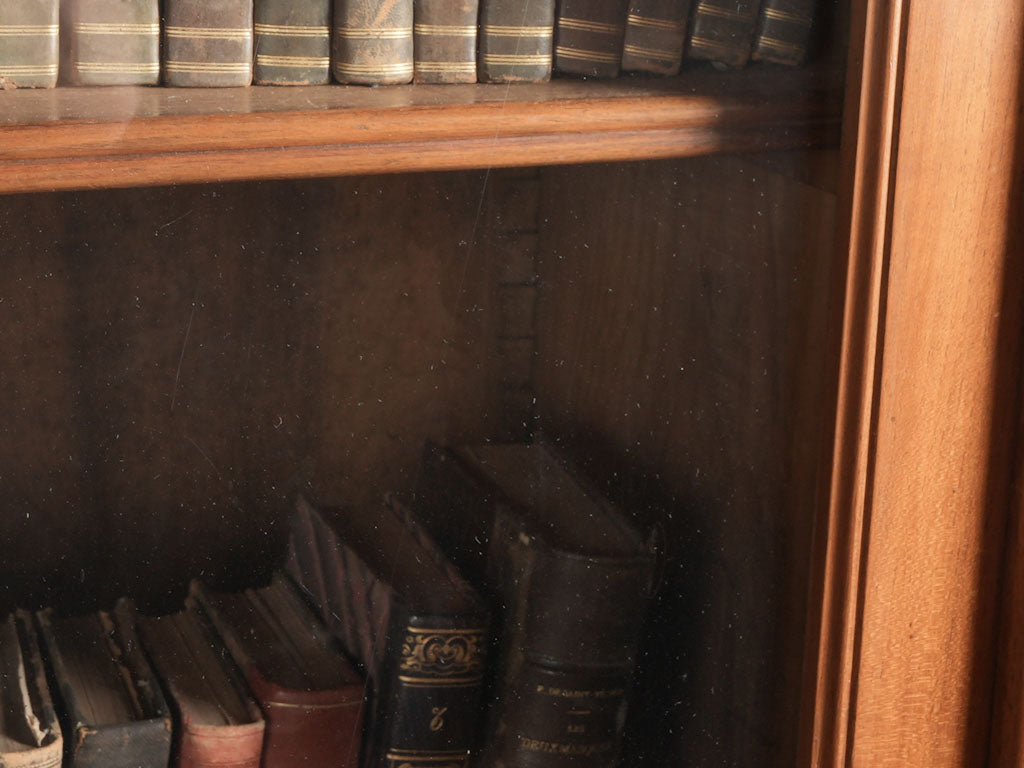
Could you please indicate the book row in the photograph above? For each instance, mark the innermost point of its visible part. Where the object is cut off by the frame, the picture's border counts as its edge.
(492, 621)
(226, 43)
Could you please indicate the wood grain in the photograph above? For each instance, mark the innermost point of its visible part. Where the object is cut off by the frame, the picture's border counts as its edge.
(86, 138)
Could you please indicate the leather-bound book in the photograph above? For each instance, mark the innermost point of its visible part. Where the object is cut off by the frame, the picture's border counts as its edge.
(111, 42)
(30, 734)
(516, 41)
(407, 617)
(373, 42)
(655, 36)
(722, 31)
(311, 697)
(784, 31)
(110, 704)
(292, 42)
(588, 37)
(570, 579)
(208, 43)
(445, 41)
(217, 722)
(29, 43)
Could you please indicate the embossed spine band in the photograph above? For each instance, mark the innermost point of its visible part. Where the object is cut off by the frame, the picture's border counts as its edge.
(208, 43)
(292, 42)
(445, 34)
(372, 41)
(111, 42)
(722, 31)
(655, 36)
(29, 33)
(784, 31)
(516, 41)
(588, 37)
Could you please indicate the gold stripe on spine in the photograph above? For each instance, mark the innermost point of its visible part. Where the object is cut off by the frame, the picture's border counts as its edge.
(590, 26)
(114, 67)
(24, 30)
(225, 34)
(438, 30)
(208, 66)
(496, 30)
(780, 45)
(97, 28)
(442, 657)
(793, 18)
(713, 45)
(25, 69)
(723, 13)
(446, 66)
(582, 55)
(298, 62)
(517, 59)
(640, 21)
(658, 54)
(374, 69)
(374, 33)
(418, 758)
(296, 31)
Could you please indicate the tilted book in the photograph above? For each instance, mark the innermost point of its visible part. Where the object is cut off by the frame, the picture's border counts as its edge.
(516, 41)
(570, 578)
(655, 36)
(111, 706)
(373, 43)
(218, 723)
(208, 43)
(588, 37)
(722, 31)
(30, 734)
(29, 43)
(784, 31)
(111, 42)
(311, 697)
(292, 42)
(406, 615)
(445, 41)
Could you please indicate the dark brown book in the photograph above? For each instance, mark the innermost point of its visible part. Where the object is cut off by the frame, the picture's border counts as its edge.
(292, 42)
(722, 31)
(373, 41)
(445, 41)
(588, 37)
(784, 31)
(516, 41)
(570, 579)
(655, 36)
(29, 43)
(30, 734)
(311, 697)
(208, 43)
(217, 722)
(111, 42)
(111, 706)
(408, 618)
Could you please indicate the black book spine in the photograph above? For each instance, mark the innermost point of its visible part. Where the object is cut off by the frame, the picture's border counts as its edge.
(516, 41)
(292, 40)
(29, 50)
(722, 31)
(784, 31)
(588, 37)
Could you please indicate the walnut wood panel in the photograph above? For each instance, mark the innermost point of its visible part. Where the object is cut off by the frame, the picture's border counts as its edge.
(680, 355)
(81, 138)
(928, 403)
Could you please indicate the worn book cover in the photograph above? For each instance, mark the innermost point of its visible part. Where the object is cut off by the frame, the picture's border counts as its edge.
(29, 43)
(373, 41)
(588, 37)
(292, 42)
(722, 31)
(311, 697)
(30, 734)
(208, 43)
(408, 618)
(655, 36)
(570, 579)
(110, 42)
(784, 31)
(111, 706)
(445, 41)
(516, 41)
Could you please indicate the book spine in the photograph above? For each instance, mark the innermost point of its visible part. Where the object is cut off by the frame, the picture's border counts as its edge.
(112, 42)
(36, 693)
(29, 35)
(784, 31)
(292, 42)
(208, 43)
(722, 31)
(516, 41)
(445, 41)
(373, 41)
(655, 36)
(588, 37)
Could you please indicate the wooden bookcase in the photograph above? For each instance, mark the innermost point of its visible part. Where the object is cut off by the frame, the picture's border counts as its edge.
(798, 356)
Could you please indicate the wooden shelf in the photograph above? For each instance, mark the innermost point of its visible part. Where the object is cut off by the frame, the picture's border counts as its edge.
(82, 138)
